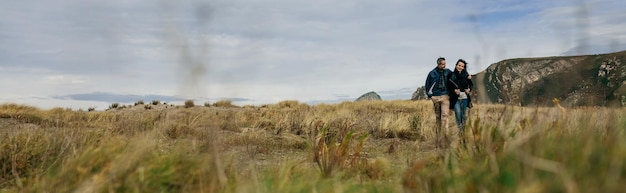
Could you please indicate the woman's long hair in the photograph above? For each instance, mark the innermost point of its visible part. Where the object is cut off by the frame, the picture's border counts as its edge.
(463, 73)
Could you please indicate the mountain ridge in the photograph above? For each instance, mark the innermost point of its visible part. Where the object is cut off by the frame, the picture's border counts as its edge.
(583, 80)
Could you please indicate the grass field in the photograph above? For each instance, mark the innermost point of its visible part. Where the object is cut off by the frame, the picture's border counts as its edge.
(370, 146)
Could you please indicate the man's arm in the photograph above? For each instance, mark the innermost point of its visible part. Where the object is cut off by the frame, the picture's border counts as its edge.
(428, 87)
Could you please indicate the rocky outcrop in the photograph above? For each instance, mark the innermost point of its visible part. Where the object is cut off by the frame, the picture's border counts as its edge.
(419, 94)
(369, 96)
(590, 80)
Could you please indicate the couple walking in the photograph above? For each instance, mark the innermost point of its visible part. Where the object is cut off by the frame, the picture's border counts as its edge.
(449, 90)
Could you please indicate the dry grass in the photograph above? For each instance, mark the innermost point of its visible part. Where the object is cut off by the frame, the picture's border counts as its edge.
(294, 147)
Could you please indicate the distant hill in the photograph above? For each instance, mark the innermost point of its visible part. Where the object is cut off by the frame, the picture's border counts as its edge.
(369, 96)
(587, 80)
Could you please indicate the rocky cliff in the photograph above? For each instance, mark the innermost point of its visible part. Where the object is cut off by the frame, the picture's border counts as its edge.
(590, 80)
(369, 96)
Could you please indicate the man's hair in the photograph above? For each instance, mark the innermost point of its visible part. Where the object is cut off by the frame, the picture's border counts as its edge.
(440, 59)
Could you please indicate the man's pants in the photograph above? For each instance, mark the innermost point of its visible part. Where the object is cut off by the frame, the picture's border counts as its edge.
(442, 110)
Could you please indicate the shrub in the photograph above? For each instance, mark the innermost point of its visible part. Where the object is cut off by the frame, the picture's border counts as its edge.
(224, 103)
(114, 106)
(330, 156)
(140, 102)
(379, 168)
(156, 102)
(189, 104)
(288, 104)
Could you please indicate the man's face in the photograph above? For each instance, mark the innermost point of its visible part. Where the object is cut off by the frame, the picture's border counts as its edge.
(442, 64)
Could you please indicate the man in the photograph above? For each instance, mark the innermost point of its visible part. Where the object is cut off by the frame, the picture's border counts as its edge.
(437, 91)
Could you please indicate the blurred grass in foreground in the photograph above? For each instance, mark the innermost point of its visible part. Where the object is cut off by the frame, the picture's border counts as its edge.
(274, 148)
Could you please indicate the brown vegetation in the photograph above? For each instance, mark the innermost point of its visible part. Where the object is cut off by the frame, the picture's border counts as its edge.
(367, 146)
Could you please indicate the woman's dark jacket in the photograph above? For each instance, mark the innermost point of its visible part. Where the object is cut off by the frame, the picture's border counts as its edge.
(459, 80)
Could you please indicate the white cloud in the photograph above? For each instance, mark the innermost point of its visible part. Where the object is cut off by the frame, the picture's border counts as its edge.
(63, 79)
(274, 50)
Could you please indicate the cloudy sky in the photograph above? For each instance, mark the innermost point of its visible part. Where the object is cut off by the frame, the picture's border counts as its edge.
(91, 53)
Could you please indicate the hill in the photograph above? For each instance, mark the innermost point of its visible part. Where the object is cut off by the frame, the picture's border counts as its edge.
(587, 80)
(369, 96)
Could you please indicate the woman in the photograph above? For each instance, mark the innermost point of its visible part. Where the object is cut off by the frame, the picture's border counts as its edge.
(461, 82)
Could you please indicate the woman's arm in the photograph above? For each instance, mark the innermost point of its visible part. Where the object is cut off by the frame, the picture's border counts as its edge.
(470, 84)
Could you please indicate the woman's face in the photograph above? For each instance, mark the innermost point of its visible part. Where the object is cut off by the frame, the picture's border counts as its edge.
(460, 66)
